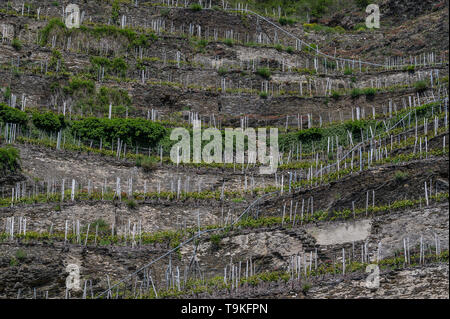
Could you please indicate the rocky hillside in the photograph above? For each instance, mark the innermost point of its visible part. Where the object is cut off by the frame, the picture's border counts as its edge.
(86, 178)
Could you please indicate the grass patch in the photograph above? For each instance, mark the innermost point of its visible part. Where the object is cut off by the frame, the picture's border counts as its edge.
(264, 73)
(286, 21)
(401, 176)
(222, 71)
(9, 160)
(420, 86)
(148, 164)
(196, 7)
(229, 42)
(131, 203)
(16, 44)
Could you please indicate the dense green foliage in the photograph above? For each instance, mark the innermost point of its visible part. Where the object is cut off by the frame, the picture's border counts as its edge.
(12, 115)
(55, 22)
(264, 72)
(83, 86)
(304, 136)
(94, 102)
(48, 121)
(130, 131)
(116, 66)
(368, 92)
(196, 6)
(16, 44)
(144, 40)
(335, 95)
(421, 86)
(115, 96)
(308, 135)
(286, 21)
(362, 4)
(356, 126)
(9, 159)
(115, 11)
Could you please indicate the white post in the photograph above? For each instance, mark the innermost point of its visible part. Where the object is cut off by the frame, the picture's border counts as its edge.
(72, 195)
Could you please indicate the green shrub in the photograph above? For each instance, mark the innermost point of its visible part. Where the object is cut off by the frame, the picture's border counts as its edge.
(370, 92)
(7, 93)
(48, 121)
(21, 254)
(356, 126)
(12, 115)
(116, 66)
(361, 29)
(131, 203)
(305, 288)
(100, 61)
(330, 64)
(409, 68)
(356, 92)
(13, 261)
(263, 95)
(55, 59)
(421, 86)
(362, 4)
(335, 94)
(144, 40)
(119, 66)
(148, 164)
(53, 23)
(164, 12)
(311, 48)
(322, 28)
(320, 7)
(130, 131)
(286, 21)
(116, 96)
(401, 176)
(308, 135)
(115, 11)
(290, 50)
(202, 43)
(215, 240)
(229, 42)
(264, 72)
(9, 160)
(80, 84)
(222, 71)
(424, 109)
(196, 6)
(103, 227)
(348, 71)
(279, 47)
(16, 44)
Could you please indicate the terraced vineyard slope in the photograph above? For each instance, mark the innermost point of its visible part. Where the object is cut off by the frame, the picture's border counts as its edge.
(89, 189)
